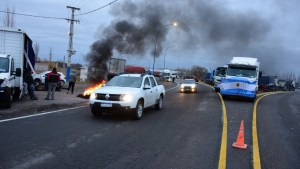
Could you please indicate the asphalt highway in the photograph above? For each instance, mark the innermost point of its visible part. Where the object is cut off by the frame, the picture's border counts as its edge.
(186, 133)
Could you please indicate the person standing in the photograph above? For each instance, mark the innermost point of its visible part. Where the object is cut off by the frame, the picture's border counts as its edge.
(30, 86)
(72, 80)
(53, 78)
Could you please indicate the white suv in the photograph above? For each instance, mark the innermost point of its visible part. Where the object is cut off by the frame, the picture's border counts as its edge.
(128, 92)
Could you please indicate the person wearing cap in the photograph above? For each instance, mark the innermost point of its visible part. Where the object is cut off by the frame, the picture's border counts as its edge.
(53, 78)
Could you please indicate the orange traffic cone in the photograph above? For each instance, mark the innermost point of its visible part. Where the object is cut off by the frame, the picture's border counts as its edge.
(240, 139)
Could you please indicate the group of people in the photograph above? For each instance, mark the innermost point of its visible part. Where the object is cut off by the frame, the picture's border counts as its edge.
(53, 79)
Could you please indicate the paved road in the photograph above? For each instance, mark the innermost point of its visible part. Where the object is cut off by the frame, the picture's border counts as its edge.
(185, 134)
(279, 131)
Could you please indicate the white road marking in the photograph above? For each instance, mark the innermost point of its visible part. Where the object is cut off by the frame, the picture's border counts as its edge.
(173, 87)
(34, 161)
(56, 111)
(40, 114)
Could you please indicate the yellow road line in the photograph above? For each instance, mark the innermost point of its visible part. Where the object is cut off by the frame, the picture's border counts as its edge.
(256, 156)
(223, 150)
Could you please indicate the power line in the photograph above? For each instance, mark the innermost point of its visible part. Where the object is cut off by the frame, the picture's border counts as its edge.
(37, 16)
(98, 8)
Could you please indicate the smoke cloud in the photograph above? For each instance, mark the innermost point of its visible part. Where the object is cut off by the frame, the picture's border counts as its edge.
(138, 26)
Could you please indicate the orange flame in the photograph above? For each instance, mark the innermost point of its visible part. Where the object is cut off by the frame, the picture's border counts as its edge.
(89, 90)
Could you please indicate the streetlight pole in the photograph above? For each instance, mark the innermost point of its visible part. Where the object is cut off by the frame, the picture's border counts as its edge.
(154, 55)
(166, 55)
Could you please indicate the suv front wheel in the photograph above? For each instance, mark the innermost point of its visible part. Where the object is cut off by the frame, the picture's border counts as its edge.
(138, 112)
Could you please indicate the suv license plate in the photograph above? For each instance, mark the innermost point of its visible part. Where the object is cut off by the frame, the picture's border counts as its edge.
(106, 105)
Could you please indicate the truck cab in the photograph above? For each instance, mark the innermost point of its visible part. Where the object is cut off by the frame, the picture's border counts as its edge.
(218, 74)
(241, 78)
(7, 79)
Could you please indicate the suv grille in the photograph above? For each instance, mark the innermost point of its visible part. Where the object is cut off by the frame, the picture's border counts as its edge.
(112, 97)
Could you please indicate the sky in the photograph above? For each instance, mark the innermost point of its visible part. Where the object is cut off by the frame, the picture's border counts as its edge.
(209, 33)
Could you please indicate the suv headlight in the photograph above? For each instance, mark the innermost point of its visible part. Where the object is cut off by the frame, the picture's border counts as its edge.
(126, 98)
(93, 96)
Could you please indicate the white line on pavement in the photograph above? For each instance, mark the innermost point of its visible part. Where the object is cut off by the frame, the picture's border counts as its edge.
(173, 87)
(55, 111)
(40, 114)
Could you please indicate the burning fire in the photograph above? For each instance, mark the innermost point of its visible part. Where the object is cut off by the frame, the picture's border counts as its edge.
(89, 90)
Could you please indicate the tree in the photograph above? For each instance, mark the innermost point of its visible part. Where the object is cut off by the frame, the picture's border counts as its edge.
(182, 72)
(199, 72)
(8, 18)
(36, 49)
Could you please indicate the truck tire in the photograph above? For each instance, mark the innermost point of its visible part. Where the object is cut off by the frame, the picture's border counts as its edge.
(159, 104)
(17, 94)
(9, 97)
(138, 111)
(96, 111)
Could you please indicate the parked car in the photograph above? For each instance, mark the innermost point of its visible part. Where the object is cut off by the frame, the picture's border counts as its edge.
(41, 79)
(188, 85)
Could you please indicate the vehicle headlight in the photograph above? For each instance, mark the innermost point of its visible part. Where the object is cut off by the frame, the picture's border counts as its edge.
(126, 98)
(93, 96)
(4, 82)
(181, 86)
(193, 86)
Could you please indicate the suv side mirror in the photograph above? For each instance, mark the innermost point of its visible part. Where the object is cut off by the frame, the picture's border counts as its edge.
(18, 72)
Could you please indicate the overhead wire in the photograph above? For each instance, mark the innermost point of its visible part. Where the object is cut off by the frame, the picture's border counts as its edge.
(37, 16)
(59, 18)
(97, 8)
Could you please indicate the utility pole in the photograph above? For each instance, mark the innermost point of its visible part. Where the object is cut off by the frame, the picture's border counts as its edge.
(70, 50)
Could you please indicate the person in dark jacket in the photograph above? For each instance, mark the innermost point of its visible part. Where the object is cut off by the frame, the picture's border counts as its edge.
(30, 84)
(53, 78)
(72, 80)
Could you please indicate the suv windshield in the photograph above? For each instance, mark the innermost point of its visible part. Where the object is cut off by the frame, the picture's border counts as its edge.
(4, 64)
(125, 81)
(241, 72)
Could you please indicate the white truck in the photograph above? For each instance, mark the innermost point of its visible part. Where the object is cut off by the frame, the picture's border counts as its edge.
(241, 78)
(16, 55)
(128, 92)
(218, 74)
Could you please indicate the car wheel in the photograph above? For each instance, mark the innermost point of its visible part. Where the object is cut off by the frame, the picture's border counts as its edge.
(96, 111)
(138, 112)
(62, 83)
(159, 104)
(37, 82)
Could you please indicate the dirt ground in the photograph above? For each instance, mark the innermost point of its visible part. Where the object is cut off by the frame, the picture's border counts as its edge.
(26, 106)
(61, 100)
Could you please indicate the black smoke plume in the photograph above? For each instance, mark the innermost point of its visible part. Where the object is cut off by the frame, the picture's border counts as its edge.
(139, 25)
